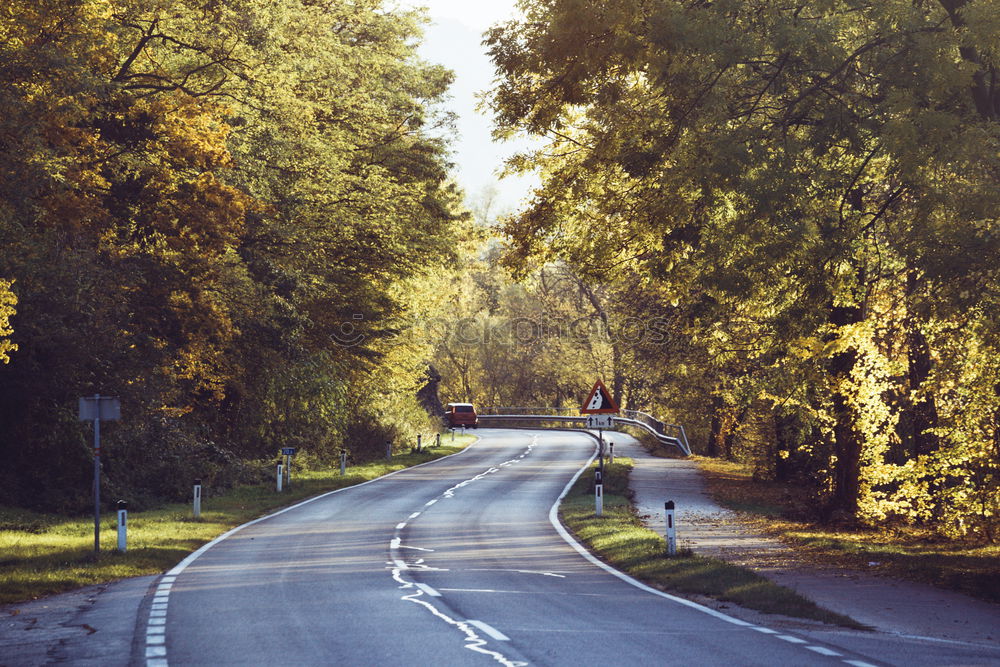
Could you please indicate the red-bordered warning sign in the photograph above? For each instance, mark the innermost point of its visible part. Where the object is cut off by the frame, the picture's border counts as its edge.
(599, 401)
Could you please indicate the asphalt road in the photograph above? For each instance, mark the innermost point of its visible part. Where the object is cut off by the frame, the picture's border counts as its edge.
(457, 562)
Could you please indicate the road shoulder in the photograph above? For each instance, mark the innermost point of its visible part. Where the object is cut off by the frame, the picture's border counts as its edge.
(887, 605)
(89, 626)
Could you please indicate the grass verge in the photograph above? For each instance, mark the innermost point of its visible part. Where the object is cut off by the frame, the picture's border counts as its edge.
(42, 554)
(898, 551)
(620, 539)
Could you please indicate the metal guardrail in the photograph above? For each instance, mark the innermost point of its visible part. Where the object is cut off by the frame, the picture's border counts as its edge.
(667, 434)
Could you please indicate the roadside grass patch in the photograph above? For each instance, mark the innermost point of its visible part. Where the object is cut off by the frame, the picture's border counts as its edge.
(905, 552)
(620, 539)
(43, 554)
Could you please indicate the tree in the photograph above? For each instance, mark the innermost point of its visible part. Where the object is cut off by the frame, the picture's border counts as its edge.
(790, 177)
(195, 197)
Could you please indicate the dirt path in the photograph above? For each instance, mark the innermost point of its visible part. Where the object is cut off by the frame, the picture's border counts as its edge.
(887, 605)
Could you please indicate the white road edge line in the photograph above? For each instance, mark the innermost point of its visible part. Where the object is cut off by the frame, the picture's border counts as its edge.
(822, 650)
(489, 630)
(157, 654)
(859, 663)
(192, 557)
(554, 520)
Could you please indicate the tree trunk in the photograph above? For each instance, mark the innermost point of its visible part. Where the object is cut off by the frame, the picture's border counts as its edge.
(919, 415)
(783, 465)
(847, 440)
(730, 428)
(715, 431)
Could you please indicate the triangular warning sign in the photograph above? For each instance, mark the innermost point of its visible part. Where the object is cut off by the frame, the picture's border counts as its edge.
(599, 401)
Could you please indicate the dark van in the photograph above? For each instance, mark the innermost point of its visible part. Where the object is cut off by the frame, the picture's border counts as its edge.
(461, 414)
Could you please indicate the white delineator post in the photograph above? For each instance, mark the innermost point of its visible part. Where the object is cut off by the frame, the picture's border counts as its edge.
(196, 506)
(343, 463)
(419, 441)
(122, 525)
(598, 494)
(611, 452)
(388, 449)
(671, 533)
(281, 476)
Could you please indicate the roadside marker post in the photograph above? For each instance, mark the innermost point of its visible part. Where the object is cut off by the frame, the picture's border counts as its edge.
(281, 476)
(197, 499)
(388, 449)
(122, 525)
(611, 454)
(437, 440)
(343, 462)
(288, 452)
(452, 434)
(671, 532)
(95, 408)
(598, 494)
(419, 445)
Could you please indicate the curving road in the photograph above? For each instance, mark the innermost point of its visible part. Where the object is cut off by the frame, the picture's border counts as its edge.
(453, 563)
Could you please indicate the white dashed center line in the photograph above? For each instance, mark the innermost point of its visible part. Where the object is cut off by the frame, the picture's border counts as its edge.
(490, 631)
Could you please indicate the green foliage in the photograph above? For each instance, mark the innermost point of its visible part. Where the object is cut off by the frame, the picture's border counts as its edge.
(808, 195)
(197, 200)
(7, 302)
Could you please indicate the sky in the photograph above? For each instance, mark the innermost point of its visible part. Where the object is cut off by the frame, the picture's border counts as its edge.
(454, 40)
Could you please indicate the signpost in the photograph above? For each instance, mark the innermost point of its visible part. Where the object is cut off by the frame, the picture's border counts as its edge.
(599, 406)
(95, 408)
(600, 421)
(599, 401)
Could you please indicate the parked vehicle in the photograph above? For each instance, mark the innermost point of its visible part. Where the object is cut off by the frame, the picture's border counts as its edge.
(461, 414)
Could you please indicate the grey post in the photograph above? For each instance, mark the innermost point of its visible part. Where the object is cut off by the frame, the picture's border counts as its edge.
(419, 446)
(437, 440)
(343, 462)
(97, 477)
(388, 449)
(91, 410)
(281, 476)
(671, 532)
(598, 494)
(197, 499)
(122, 525)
